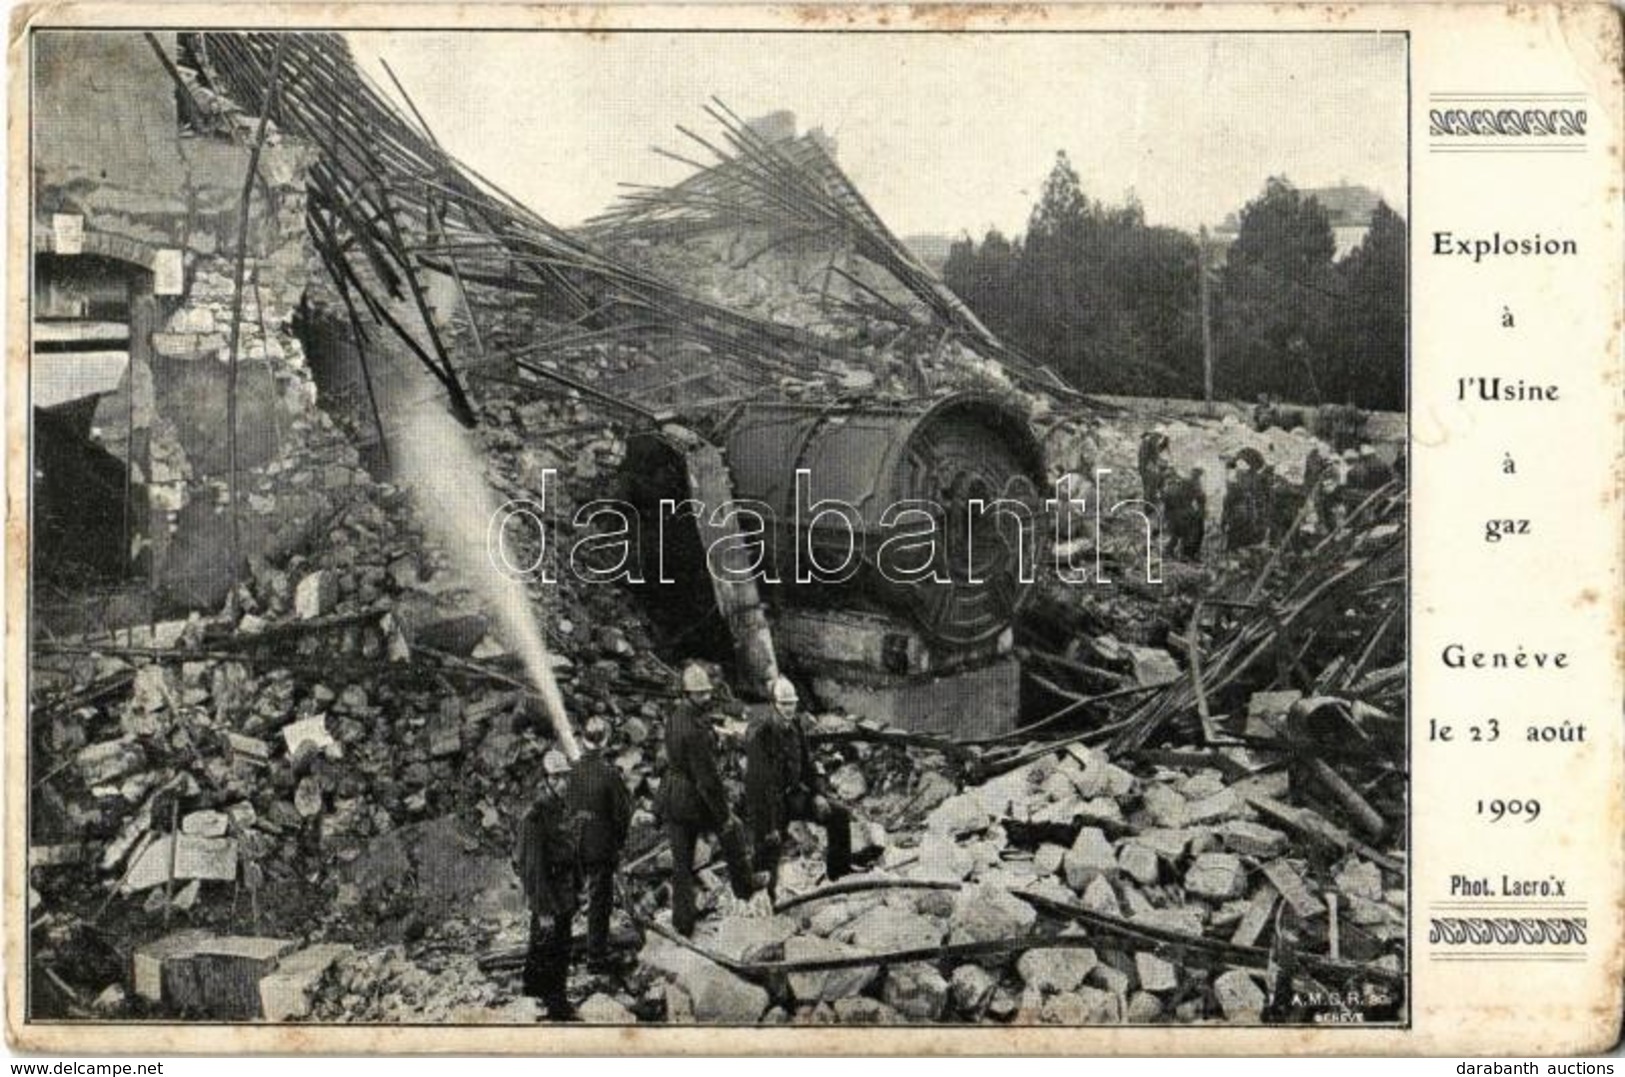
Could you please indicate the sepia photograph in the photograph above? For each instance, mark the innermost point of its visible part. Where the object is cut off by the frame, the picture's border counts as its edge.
(717, 527)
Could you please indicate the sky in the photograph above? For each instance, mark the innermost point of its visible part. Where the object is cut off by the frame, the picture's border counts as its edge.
(943, 133)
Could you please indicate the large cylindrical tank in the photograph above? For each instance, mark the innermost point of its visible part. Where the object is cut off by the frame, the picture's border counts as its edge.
(939, 455)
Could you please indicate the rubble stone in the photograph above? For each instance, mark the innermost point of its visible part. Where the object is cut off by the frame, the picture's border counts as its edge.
(1060, 968)
(1253, 839)
(1183, 921)
(1108, 978)
(885, 928)
(864, 1011)
(1091, 856)
(1085, 1006)
(316, 595)
(1144, 1008)
(309, 731)
(1139, 862)
(205, 824)
(109, 760)
(1047, 859)
(194, 858)
(1155, 973)
(848, 782)
(307, 797)
(1098, 896)
(1167, 808)
(1217, 875)
(958, 815)
(1361, 878)
(972, 989)
(917, 991)
(601, 1009)
(715, 995)
(1221, 805)
(288, 990)
(829, 985)
(212, 976)
(751, 938)
(985, 913)
(1240, 999)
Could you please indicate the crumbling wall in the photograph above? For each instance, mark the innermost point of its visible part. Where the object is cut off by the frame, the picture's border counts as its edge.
(182, 209)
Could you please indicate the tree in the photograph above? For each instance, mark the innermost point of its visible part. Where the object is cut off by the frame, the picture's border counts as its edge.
(1105, 300)
(1276, 297)
(985, 278)
(1367, 357)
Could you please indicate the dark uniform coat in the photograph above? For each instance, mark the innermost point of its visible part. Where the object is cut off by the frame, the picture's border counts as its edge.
(692, 793)
(778, 768)
(597, 797)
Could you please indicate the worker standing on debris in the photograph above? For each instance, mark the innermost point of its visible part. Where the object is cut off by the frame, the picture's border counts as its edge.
(693, 801)
(545, 859)
(1243, 516)
(601, 813)
(781, 784)
(1184, 514)
(1155, 470)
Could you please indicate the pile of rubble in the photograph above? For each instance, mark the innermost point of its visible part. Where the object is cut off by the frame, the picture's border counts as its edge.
(1077, 892)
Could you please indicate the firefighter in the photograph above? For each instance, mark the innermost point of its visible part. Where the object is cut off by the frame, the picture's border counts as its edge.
(693, 801)
(781, 784)
(1155, 470)
(1243, 515)
(601, 810)
(1184, 514)
(545, 859)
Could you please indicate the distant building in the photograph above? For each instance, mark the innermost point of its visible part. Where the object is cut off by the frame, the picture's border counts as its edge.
(1348, 206)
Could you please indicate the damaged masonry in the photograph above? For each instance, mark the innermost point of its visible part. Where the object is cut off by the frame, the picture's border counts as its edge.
(1129, 750)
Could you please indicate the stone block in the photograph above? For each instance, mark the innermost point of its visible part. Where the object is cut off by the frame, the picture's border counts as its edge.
(316, 594)
(917, 991)
(884, 928)
(1085, 1006)
(288, 990)
(1216, 875)
(1240, 999)
(1098, 896)
(206, 824)
(601, 1009)
(986, 913)
(1091, 856)
(310, 731)
(1167, 808)
(1221, 805)
(1252, 839)
(1361, 878)
(212, 859)
(147, 964)
(864, 1011)
(1155, 973)
(830, 985)
(1180, 921)
(972, 988)
(109, 761)
(205, 975)
(1059, 968)
(1139, 862)
(751, 938)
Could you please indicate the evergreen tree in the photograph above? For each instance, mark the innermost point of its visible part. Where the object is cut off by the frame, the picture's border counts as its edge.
(1367, 361)
(1276, 298)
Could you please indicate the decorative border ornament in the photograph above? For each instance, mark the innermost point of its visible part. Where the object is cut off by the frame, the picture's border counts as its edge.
(1511, 122)
(1507, 931)
(1507, 122)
